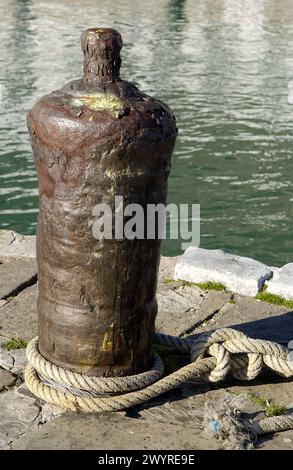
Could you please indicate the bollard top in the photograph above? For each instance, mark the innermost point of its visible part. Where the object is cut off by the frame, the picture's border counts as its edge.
(101, 48)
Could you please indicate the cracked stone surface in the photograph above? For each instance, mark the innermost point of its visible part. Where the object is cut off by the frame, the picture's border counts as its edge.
(176, 308)
(19, 317)
(210, 305)
(17, 414)
(239, 274)
(6, 360)
(14, 360)
(188, 410)
(168, 422)
(7, 379)
(256, 319)
(174, 422)
(15, 274)
(14, 245)
(19, 361)
(113, 431)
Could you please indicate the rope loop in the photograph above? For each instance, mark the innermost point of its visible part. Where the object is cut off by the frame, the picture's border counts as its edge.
(213, 356)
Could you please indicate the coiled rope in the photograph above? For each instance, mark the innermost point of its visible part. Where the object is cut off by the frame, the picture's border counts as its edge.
(213, 356)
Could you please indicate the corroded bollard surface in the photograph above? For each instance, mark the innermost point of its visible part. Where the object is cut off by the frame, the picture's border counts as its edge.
(96, 138)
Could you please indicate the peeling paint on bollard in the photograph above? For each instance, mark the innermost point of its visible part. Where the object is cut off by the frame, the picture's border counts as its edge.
(96, 138)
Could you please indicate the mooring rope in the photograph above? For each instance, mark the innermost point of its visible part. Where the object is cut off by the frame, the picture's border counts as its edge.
(213, 356)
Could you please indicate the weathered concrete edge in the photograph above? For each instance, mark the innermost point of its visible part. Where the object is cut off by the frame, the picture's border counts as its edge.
(239, 274)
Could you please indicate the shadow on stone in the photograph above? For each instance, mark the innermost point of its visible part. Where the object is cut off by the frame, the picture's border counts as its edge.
(277, 328)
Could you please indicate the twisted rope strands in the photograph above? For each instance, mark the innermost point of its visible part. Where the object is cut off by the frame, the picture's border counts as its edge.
(213, 355)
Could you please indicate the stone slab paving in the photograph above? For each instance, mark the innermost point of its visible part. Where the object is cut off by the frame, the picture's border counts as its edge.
(111, 432)
(19, 361)
(255, 318)
(276, 391)
(17, 414)
(177, 307)
(167, 267)
(13, 361)
(174, 422)
(7, 379)
(13, 245)
(177, 303)
(6, 360)
(164, 423)
(210, 306)
(19, 317)
(189, 408)
(17, 274)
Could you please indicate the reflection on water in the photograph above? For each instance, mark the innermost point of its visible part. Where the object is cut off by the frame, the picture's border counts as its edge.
(225, 68)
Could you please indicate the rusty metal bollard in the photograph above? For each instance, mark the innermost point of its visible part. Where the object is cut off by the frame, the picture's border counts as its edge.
(96, 138)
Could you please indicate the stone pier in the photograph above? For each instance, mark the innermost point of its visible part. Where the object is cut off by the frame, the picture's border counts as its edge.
(167, 422)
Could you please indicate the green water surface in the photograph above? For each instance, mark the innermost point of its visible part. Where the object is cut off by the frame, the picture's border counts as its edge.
(226, 69)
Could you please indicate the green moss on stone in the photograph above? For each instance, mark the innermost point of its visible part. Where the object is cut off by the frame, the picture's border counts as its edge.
(202, 285)
(14, 343)
(211, 286)
(274, 299)
(269, 408)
